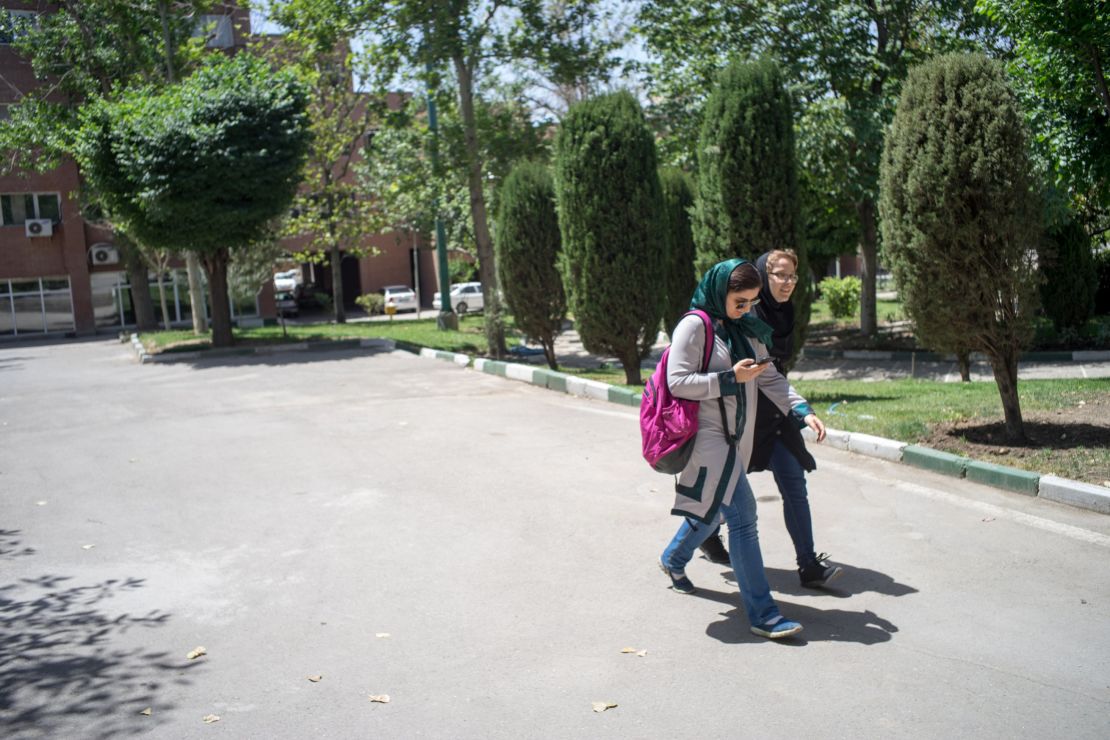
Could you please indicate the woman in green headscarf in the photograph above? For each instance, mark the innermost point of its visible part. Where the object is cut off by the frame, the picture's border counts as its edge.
(713, 484)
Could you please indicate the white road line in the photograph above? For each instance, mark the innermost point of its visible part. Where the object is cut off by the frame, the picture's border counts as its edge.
(998, 512)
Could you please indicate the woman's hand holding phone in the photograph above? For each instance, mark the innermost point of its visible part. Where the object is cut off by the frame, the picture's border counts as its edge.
(749, 369)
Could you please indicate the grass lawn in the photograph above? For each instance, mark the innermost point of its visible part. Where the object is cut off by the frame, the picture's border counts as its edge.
(885, 311)
(469, 338)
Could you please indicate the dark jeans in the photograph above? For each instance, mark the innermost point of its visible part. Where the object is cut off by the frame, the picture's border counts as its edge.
(791, 480)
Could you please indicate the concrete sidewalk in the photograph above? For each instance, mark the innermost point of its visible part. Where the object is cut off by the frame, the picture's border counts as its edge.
(572, 354)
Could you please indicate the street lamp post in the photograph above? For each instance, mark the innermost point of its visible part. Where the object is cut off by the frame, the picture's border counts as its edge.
(447, 319)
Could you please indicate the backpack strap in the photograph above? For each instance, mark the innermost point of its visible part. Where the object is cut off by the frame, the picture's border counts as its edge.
(709, 336)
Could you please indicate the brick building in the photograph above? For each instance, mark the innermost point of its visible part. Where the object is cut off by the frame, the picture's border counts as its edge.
(62, 275)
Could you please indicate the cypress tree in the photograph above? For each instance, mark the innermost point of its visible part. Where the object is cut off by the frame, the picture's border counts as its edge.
(1069, 280)
(678, 199)
(747, 185)
(960, 221)
(527, 248)
(609, 200)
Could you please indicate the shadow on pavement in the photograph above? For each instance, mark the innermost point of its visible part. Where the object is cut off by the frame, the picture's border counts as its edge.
(853, 580)
(59, 668)
(820, 625)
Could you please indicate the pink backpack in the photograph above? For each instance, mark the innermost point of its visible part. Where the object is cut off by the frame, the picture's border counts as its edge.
(668, 425)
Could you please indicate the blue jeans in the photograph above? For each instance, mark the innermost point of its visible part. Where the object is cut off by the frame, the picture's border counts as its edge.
(791, 480)
(743, 551)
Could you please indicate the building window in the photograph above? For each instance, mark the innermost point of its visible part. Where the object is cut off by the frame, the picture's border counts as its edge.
(217, 29)
(36, 306)
(14, 23)
(16, 208)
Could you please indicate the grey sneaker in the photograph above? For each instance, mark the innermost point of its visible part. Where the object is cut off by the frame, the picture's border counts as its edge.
(680, 584)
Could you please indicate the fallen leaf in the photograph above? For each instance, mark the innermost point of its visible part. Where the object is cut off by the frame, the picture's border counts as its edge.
(601, 706)
(133, 459)
(314, 679)
(988, 519)
(382, 634)
(210, 718)
(641, 653)
(40, 503)
(380, 698)
(196, 653)
(87, 547)
(628, 650)
(145, 712)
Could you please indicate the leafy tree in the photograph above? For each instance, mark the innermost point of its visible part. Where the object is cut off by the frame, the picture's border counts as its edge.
(848, 56)
(678, 200)
(331, 210)
(88, 50)
(609, 200)
(468, 38)
(203, 166)
(1069, 279)
(1060, 66)
(960, 219)
(528, 253)
(747, 185)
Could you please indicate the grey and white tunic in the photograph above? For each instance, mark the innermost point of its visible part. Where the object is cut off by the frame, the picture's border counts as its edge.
(716, 465)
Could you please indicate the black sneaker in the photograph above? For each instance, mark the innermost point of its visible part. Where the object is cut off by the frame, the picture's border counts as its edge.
(714, 550)
(680, 584)
(818, 574)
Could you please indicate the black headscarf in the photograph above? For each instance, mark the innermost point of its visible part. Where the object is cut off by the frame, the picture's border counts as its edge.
(779, 316)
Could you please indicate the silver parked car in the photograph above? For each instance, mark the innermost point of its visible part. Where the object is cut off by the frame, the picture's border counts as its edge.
(464, 297)
(403, 297)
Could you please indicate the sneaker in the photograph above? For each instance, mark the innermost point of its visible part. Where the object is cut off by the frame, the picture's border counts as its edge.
(777, 628)
(714, 550)
(680, 584)
(818, 574)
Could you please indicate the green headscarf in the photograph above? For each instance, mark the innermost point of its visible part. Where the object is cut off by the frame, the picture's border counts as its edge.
(710, 297)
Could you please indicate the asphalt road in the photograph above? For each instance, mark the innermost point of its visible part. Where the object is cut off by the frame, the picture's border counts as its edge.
(481, 551)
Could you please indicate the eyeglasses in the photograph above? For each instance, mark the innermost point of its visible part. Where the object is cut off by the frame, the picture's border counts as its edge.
(747, 304)
(784, 277)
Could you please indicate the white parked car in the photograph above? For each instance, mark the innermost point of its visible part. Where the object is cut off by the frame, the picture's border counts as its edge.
(286, 281)
(403, 297)
(464, 297)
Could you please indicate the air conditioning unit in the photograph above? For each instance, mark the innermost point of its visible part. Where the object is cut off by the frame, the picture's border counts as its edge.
(103, 254)
(39, 227)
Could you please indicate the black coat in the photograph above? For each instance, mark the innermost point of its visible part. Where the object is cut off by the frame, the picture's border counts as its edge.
(771, 425)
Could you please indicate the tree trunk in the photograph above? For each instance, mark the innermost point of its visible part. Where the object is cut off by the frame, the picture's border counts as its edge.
(631, 363)
(196, 293)
(548, 343)
(868, 248)
(964, 361)
(487, 272)
(1005, 376)
(335, 256)
(162, 299)
(140, 284)
(215, 264)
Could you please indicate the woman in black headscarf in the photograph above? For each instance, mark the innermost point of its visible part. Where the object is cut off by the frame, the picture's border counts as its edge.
(779, 446)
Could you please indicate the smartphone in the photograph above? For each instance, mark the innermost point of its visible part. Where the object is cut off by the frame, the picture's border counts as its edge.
(764, 360)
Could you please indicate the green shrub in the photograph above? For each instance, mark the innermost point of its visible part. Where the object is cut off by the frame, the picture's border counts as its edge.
(528, 252)
(610, 207)
(1102, 270)
(678, 197)
(841, 295)
(371, 303)
(461, 271)
(324, 301)
(1069, 281)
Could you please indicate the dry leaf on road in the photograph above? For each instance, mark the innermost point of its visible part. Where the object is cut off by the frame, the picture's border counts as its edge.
(210, 718)
(641, 653)
(380, 698)
(601, 706)
(381, 634)
(145, 712)
(87, 547)
(628, 650)
(196, 652)
(314, 679)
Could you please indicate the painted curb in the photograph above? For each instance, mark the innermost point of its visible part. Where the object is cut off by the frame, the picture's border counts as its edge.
(1000, 476)
(523, 373)
(1074, 493)
(1091, 355)
(865, 444)
(935, 460)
